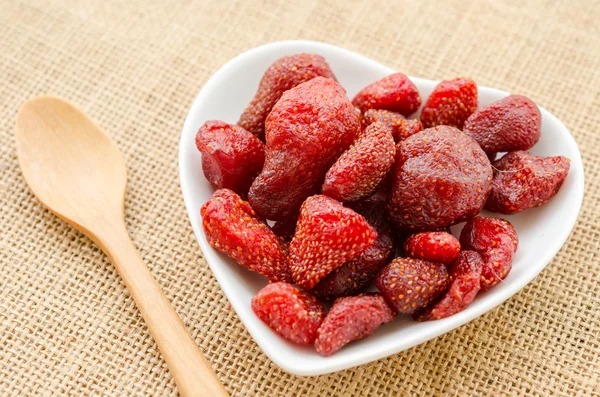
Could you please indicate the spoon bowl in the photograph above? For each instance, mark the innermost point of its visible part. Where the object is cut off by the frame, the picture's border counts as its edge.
(52, 152)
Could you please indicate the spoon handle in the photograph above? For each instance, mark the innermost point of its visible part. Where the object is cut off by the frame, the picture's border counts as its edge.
(192, 373)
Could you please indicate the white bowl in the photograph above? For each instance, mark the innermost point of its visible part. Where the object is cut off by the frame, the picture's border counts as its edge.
(542, 231)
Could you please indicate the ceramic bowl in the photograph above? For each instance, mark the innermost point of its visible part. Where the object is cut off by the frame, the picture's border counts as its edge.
(542, 231)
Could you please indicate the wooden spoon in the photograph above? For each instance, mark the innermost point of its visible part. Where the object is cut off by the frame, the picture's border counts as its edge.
(78, 172)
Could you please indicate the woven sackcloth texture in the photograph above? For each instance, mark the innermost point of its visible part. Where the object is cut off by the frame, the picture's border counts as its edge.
(69, 327)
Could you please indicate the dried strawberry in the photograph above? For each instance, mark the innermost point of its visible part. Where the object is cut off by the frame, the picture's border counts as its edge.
(353, 276)
(293, 314)
(451, 103)
(359, 171)
(401, 127)
(401, 236)
(307, 130)
(385, 116)
(327, 236)
(510, 124)
(285, 73)
(231, 156)
(351, 318)
(406, 128)
(395, 92)
(480, 233)
(497, 262)
(465, 273)
(432, 246)
(411, 284)
(496, 241)
(442, 177)
(231, 226)
(522, 181)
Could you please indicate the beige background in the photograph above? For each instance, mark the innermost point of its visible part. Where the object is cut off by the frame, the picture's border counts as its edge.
(69, 327)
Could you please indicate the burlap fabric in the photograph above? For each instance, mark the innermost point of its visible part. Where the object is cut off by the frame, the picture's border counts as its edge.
(68, 325)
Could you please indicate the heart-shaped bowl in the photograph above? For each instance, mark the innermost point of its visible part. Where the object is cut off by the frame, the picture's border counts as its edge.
(542, 231)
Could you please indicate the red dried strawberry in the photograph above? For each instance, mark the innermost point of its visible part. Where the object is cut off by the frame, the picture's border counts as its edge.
(442, 177)
(432, 246)
(465, 273)
(293, 314)
(406, 128)
(451, 103)
(327, 236)
(359, 171)
(231, 226)
(480, 233)
(285, 73)
(401, 127)
(497, 262)
(307, 130)
(231, 156)
(510, 124)
(410, 284)
(353, 276)
(496, 241)
(522, 181)
(395, 92)
(385, 116)
(351, 318)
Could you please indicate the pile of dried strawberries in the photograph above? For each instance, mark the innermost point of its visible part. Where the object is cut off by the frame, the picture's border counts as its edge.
(360, 193)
